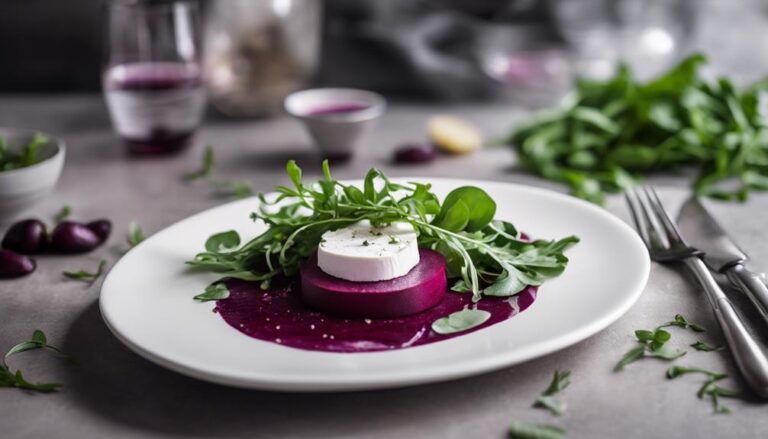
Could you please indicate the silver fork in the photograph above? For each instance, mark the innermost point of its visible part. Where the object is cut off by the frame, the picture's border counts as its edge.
(665, 244)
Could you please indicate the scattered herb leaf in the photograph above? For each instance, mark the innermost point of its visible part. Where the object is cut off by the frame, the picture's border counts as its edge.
(709, 388)
(85, 275)
(214, 291)
(704, 347)
(527, 430)
(560, 380)
(459, 321)
(63, 214)
(681, 322)
(234, 188)
(135, 234)
(16, 379)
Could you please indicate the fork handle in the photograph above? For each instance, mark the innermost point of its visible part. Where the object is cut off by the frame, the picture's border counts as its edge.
(750, 359)
(752, 285)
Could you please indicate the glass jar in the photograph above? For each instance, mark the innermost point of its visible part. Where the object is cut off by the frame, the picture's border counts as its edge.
(258, 51)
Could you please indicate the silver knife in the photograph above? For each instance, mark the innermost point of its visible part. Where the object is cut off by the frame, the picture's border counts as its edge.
(721, 254)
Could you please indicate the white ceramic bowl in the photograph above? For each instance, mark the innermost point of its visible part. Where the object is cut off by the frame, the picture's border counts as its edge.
(22, 188)
(336, 133)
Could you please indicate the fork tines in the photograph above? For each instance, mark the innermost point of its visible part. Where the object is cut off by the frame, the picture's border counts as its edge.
(655, 227)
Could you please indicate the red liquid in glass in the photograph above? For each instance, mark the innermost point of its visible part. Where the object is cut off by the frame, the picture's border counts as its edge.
(155, 107)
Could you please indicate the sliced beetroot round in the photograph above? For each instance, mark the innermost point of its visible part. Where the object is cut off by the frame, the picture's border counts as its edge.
(101, 227)
(26, 237)
(422, 288)
(15, 265)
(72, 237)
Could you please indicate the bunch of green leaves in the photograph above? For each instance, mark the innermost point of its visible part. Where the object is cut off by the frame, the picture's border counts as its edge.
(710, 388)
(235, 188)
(16, 379)
(560, 380)
(28, 156)
(653, 343)
(608, 133)
(485, 255)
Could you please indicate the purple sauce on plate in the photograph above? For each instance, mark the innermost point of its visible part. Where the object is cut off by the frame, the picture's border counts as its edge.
(341, 108)
(279, 316)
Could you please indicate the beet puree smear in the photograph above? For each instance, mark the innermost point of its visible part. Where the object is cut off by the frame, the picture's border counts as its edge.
(279, 316)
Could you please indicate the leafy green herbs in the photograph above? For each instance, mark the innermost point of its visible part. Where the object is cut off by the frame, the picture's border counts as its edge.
(609, 133)
(222, 242)
(235, 188)
(560, 380)
(704, 347)
(528, 430)
(85, 275)
(653, 343)
(484, 255)
(460, 321)
(135, 234)
(28, 155)
(63, 214)
(709, 388)
(214, 291)
(16, 379)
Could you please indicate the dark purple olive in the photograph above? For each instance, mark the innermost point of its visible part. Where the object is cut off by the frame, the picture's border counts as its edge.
(72, 237)
(26, 237)
(101, 227)
(15, 265)
(415, 153)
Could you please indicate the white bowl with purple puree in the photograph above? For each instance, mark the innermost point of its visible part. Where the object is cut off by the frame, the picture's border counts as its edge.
(273, 340)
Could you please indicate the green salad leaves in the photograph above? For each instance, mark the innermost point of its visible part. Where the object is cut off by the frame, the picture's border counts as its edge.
(484, 255)
(610, 132)
(28, 155)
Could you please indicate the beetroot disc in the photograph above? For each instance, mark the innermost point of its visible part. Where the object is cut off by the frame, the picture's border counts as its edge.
(422, 288)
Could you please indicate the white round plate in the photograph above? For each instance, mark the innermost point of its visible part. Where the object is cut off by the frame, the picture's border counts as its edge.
(146, 301)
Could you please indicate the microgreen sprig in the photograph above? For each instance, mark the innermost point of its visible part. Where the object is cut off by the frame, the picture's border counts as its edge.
(86, 276)
(653, 343)
(235, 188)
(560, 380)
(709, 388)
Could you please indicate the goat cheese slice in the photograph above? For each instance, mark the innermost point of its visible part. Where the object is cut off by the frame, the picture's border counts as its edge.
(364, 253)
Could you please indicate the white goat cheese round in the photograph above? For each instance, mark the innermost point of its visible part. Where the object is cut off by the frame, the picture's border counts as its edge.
(363, 253)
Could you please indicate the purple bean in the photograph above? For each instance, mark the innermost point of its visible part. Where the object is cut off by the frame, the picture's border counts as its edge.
(72, 237)
(415, 153)
(15, 265)
(101, 227)
(26, 237)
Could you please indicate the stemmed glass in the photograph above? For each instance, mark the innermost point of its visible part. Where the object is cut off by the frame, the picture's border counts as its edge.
(152, 78)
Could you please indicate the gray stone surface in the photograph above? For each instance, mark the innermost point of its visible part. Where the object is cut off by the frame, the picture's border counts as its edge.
(111, 392)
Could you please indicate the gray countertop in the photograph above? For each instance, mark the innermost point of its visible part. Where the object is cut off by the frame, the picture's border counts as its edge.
(111, 392)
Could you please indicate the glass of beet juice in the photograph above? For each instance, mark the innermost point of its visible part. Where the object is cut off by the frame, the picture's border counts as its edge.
(152, 75)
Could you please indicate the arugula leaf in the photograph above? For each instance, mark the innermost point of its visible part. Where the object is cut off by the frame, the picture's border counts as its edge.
(610, 133)
(477, 210)
(527, 430)
(135, 234)
(234, 188)
(63, 214)
(681, 322)
(704, 347)
(16, 379)
(214, 291)
(460, 321)
(222, 242)
(709, 388)
(87, 276)
(653, 344)
(560, 380)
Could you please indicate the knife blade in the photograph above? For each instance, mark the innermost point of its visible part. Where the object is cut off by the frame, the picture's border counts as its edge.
(721, 253)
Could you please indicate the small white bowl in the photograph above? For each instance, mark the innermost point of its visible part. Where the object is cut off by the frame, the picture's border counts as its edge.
(336, 118)
(22, 188)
